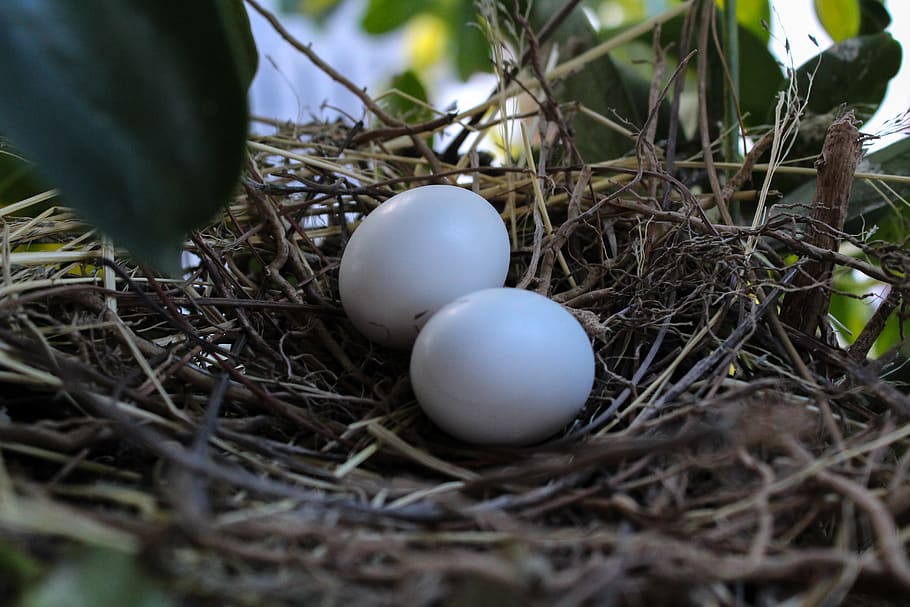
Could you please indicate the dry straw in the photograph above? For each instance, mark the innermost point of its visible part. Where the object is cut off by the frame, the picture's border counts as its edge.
(236, 429)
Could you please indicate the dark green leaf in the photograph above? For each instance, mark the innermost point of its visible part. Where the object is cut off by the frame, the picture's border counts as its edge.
(240, 36)
(760, 73)
(405, 107)
(17, 570)
(98, 579)
(135, 109)
(18, 178)
(874, 17)
(472, 51)
(575, 26)
(615, 91)
(751, 14)
(383, 16)
(840, 18)
(606, 86)
(871, 204)
(855, 72)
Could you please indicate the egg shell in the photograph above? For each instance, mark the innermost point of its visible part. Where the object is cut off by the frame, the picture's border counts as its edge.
(415, 253)
(502, 367)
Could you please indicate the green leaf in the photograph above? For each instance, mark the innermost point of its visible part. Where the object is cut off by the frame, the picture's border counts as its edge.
(383, 16)
(18, 178)
(471, 49)
(405, 107)
(240, 36)
(874, 17)
(851, 313)
(604, 85)
(872, 205)
(750, 14)
(855, 72)
(840, 18)
(760, 73)
(896, 335)
(615, 91)
(853, 302)
(135, 109)
(98, 578)
(318, 10)
(17, 570)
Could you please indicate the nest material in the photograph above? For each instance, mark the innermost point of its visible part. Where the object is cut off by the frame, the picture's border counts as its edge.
(237, 431)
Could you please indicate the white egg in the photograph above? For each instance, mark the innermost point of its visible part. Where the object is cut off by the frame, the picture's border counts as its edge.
(415, 253)
(502, 367)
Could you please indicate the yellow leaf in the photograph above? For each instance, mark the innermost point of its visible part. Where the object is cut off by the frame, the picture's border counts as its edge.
(840, 18)
(75, 269)
(316, 7)
(426, 37)
(750, 14)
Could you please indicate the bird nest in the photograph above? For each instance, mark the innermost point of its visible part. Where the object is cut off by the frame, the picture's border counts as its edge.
(234, 430)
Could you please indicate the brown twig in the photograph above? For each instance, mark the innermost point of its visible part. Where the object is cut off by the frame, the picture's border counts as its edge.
(805, 308)
(706, 16)
(359, 92)
(875, 325)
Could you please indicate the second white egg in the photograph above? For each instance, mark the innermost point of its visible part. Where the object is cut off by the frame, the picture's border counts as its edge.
(502, 367)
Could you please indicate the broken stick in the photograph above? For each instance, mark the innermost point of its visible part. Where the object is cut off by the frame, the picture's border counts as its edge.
(806, 308)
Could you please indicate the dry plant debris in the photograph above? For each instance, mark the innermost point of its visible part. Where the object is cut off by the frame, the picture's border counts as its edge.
(236, 431)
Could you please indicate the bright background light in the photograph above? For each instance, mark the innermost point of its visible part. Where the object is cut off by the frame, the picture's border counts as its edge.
(288, 87)
(795, 20)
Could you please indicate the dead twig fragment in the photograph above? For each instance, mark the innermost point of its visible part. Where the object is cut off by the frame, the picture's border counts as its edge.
(805, 308)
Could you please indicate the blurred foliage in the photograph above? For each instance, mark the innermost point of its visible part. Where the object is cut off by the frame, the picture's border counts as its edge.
(19, 178)
(425, 41)
(840, 18)
(853, 304)
(617, 87)
(383, 16)
(758, 92)
(159, 150)
(317, 10)
(407, 99)
(754, 15)
(97, 578)
(460, 37)
(874, 17)
(880, 211)
(18, 571)
(854, 72)
(612, 88)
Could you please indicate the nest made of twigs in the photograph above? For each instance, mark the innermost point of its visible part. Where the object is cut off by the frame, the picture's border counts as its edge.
(237, 431)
